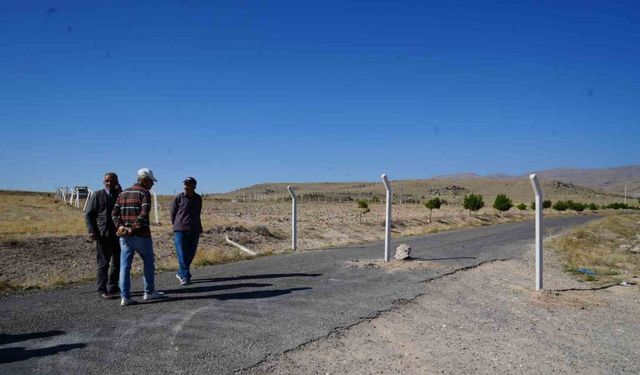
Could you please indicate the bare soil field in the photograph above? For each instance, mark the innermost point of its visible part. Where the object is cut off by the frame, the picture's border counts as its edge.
(486, 320)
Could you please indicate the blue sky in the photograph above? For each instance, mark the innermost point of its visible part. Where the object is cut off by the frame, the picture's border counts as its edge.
(242, 92)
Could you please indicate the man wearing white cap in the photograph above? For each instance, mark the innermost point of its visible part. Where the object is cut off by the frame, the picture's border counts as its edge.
(131, 217)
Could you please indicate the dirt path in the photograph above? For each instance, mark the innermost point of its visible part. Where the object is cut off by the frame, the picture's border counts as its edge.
(486, 320)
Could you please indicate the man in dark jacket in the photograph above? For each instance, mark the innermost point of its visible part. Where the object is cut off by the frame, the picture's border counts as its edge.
(103, 231)
(185, 217)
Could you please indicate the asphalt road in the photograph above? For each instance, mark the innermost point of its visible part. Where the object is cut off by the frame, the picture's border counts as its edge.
(235, 315)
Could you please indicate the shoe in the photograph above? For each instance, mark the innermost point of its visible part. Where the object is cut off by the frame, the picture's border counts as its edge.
(127, 302)
(106, 295)
(154, 295)
(183, 281)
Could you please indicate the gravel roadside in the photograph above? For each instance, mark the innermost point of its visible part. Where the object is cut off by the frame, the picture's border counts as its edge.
(486, 320)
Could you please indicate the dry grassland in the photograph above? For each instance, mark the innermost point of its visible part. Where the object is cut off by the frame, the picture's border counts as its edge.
(25, 214)
(43, 242)
(609, 247)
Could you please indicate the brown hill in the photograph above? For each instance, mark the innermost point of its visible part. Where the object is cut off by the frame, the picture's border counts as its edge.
(452, 190)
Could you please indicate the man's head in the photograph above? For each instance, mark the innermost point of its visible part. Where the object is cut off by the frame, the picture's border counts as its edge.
(110, 180)
(190, 185)
(145, 178)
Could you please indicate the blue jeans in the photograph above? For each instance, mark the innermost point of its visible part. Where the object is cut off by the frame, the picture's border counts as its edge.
(186, 246)
(128, 247)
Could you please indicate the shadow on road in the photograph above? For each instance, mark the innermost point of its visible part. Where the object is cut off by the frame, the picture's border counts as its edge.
(257, 294)
(8, 339)
(213, 288)
(251, 277)
(17, 354)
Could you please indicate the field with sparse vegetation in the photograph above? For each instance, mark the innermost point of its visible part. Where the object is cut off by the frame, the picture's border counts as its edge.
(43, 242)
(605, 251)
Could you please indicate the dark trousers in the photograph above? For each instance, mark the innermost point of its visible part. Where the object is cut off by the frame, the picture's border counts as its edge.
(108, 252)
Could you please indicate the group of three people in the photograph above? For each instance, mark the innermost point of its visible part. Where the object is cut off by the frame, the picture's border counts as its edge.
(119, 223)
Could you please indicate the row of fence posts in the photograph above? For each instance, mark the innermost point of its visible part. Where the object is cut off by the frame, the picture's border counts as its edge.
(321, 198)
(72, 197)
(388, 219)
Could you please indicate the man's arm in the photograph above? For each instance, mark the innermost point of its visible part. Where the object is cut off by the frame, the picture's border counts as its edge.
(115, 213)
(145, 209)
(174, 208)
(91, 215)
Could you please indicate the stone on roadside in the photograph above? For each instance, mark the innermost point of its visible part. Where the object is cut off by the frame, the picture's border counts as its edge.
(403, 252)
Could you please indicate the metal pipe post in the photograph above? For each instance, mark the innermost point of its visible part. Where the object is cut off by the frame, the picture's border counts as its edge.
(155, 207)
(387, 236)
(294, 217)
(539, 261)
(89, 194)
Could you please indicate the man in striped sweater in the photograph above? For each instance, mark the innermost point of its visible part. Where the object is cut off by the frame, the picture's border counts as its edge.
(131, 217)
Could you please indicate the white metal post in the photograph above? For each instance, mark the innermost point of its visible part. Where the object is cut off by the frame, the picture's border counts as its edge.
(155, 207)
(539, 262)
(294, 217)
(387, 236)
(89, 194)
(625, 193)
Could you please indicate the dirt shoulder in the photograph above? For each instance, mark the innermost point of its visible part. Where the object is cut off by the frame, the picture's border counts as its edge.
(486, 320)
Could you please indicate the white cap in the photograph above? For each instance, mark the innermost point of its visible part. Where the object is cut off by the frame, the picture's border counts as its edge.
(146, 172)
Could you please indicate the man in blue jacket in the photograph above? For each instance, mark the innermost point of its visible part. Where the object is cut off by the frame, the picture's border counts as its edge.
(185, 217)
(102, 230)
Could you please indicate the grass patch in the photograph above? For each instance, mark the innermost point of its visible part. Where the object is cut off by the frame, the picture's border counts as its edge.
(209, 257)
(37, 214)
(601, 247)
(7, 288)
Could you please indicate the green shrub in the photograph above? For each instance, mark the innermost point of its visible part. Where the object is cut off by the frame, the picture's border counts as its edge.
(521, 206)
(618, 206)
(576, 206)
(432, 204)
(363, 208)
(502, 203)
(546, 203)
(473, 202)
(592, 206)
(560, 206)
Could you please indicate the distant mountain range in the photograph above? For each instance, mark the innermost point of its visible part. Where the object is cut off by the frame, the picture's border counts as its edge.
(611, 180)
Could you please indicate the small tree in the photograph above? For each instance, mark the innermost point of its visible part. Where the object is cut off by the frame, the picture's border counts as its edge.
(576, 206)
(593, 206)
(522, 206)
(473, 202)
(560, 206)
(533, 205)
(363, 208)
(502, 203)
(546, 203)
(433, 203)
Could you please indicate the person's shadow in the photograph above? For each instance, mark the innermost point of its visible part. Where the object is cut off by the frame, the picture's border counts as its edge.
(19, 353)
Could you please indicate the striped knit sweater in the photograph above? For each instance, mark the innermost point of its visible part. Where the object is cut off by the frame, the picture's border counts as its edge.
(132, 210)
